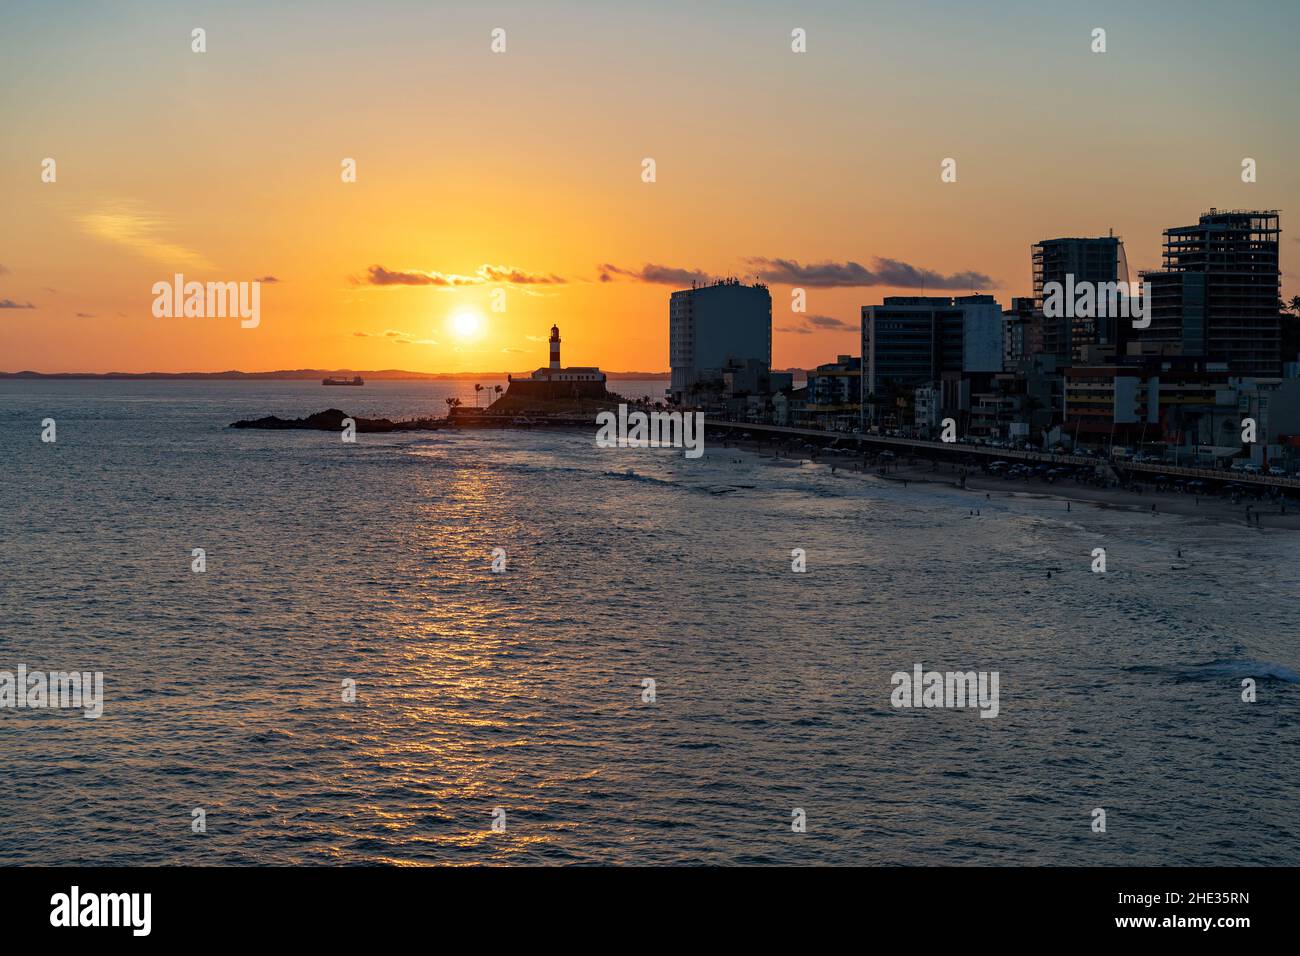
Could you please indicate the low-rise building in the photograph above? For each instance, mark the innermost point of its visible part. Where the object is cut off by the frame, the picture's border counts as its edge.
(1187, 404)
(927, 409)
(835, 394)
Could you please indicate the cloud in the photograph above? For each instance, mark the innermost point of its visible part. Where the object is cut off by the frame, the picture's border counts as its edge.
(827, 322)
(407, 338)
(11, 304)
(269, 280)
(513, 276)
(656, 274)
(85, 315)
(886, 272)
(396, 336)
(514, 350)
(811, 323)
(378, 275)
(130, 224)
(485, 274)
(825, 274)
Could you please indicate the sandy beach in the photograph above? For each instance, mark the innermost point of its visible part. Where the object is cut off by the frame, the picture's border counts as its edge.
(1262, 514)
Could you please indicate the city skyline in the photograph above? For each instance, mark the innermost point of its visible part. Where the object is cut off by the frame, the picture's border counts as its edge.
(471, 319)
(532, 186)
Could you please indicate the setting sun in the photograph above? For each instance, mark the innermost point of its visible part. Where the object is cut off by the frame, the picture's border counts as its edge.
(467, 323)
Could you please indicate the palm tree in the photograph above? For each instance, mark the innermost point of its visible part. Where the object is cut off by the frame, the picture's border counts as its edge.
(1290, 327)
(477, 388)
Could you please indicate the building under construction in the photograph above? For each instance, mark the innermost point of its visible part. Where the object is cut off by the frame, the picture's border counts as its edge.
(1218, 294)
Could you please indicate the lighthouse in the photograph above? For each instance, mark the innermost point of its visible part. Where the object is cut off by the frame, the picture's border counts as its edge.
(556, 383)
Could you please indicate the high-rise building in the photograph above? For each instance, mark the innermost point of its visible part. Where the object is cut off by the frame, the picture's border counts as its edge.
(716, 327)
(918, 340)
(1217, 295)
(1094, 260)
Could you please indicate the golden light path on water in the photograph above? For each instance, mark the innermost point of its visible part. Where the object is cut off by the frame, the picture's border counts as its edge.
(523, 690)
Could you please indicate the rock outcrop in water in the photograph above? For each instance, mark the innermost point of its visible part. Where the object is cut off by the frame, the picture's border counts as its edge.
(331, 420)
(538, 413)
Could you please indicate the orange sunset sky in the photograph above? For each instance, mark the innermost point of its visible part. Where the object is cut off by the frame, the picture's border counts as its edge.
(521, 170)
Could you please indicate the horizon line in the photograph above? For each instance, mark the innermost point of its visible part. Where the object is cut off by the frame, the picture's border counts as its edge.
(303, 373)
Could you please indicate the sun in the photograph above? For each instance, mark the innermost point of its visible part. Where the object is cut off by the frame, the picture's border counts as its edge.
(466, 323)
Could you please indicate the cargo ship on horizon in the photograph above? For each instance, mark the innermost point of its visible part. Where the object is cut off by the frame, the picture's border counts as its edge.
(355, 380)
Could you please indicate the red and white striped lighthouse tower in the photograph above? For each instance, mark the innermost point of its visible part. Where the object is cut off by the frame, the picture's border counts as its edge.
(555, 346)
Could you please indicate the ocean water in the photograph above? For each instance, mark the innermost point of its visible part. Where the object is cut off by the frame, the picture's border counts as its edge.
(523, 690)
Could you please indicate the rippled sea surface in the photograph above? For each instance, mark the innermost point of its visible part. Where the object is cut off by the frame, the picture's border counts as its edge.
(523, 690)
